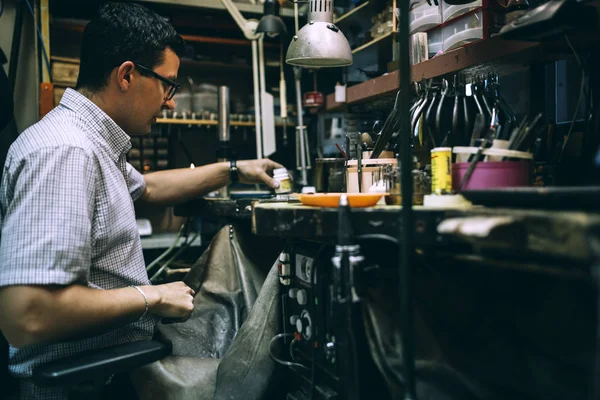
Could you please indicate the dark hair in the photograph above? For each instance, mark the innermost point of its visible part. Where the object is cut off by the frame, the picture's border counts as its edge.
(123, 32)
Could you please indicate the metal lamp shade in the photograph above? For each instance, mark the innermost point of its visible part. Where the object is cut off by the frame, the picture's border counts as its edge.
(270, 23)
(319, 43)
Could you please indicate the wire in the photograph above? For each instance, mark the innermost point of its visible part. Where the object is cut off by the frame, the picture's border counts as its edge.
(40, 38)
(573, 50)
(581, 93)
(166, 252)
(278, 360)
(1, 7)
(292, 343)
(183, 247)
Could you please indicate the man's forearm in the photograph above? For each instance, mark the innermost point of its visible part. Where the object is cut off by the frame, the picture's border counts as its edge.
(41, 314)
(179, 185)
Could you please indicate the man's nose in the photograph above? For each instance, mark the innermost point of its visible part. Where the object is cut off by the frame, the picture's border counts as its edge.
(169, 104)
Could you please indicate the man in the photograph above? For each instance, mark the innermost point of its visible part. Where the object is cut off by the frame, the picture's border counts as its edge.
(72, 273)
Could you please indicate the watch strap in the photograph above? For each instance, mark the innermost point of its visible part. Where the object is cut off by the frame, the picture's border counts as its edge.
(233, 171)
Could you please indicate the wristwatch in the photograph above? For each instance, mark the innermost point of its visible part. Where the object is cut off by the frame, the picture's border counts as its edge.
(233, 171)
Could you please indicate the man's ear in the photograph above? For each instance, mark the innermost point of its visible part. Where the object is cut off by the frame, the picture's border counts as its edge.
(125, 75)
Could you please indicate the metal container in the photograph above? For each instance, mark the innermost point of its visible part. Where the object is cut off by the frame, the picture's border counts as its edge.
(330, 175)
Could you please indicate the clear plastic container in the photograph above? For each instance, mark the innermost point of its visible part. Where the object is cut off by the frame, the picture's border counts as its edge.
(463, 31)
(435, 42)
(452, 11)
(424, 17)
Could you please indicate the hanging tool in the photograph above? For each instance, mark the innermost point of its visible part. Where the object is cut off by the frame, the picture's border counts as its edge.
(359, 165)
(438, 115)
(489, 137)
(387, 130)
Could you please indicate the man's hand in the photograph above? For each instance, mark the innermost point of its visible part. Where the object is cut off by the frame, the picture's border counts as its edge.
(171, 300)
(257, 171)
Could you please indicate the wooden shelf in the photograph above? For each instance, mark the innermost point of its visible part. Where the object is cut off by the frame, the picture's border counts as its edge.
(218, 5)
(78, 25)
(372, 42)
(476, 56)
(175, 121)
(350, 13)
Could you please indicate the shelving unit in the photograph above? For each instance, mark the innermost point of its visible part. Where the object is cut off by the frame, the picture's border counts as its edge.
(175, 121)
(218, 5)
(351, 13)
(479, 56)
(380, 39)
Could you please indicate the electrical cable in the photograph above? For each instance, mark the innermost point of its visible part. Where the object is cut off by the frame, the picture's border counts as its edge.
(166, 252)
(278, 360)
(292, 343)
(1, 7)
(183, 247)
(41, 39)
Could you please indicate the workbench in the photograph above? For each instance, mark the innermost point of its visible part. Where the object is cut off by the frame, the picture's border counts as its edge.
(553, 242)
(504, 297)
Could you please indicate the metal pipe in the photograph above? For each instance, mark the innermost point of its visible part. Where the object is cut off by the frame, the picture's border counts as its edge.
(224, 133)
(407, 226)
(262, 84)
(300, 129)
(257, 98)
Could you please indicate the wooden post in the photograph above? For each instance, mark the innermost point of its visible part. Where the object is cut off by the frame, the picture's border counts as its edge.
(46, 87)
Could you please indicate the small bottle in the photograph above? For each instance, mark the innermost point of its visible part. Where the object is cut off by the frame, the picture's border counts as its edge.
(285, 183)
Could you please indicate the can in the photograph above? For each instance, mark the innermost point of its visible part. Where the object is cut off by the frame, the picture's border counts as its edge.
(441, 170)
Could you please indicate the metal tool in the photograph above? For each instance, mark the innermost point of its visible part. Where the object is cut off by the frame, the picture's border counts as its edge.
(387, 130)
(489, 137)
(359, 165)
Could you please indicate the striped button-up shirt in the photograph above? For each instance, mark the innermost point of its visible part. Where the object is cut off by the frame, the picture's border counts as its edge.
(67, 216)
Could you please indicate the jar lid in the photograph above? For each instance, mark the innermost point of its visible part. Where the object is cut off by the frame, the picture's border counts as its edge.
(280, 171)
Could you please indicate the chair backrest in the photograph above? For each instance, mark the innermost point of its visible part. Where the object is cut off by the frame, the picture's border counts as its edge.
(8, 134)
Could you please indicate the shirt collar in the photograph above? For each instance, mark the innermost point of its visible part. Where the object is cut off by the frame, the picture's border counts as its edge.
(111, 134)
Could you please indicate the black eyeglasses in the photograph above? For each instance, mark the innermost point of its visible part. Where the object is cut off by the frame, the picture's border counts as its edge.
(171, 87)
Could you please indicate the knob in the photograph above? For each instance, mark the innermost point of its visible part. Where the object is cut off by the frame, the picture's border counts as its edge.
(293, 319)
(292, 293)
(302, 297)
(303, 326)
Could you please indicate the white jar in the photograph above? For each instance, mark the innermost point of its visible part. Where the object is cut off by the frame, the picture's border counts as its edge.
(281, 176)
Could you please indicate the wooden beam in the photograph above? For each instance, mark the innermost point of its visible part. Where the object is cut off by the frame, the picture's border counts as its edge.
(45, 28)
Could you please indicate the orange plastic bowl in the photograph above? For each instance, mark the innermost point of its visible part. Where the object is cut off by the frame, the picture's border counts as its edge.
(333, 199)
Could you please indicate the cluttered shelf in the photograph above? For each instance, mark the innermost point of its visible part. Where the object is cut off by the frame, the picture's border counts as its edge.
(379, 39)
(175, 121)
(482, 52)
(491, 54)
(351, 13)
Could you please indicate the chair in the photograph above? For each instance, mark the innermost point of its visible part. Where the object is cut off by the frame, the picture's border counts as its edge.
(95, 366)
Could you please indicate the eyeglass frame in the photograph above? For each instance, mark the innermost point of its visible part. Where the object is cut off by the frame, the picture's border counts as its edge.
(173, 86)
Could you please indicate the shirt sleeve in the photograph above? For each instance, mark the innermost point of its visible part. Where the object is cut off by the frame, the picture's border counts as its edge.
(135, 182)
(47, 211)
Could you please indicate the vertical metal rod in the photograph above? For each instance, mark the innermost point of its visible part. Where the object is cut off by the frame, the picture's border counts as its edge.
(407, 226)
(300, 129)
(257, 99)
(224, 134)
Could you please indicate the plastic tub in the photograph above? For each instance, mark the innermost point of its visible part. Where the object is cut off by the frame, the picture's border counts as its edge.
(452, 11)
(488, 175)
(463, 31)
(435, 43)
(424, 17)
